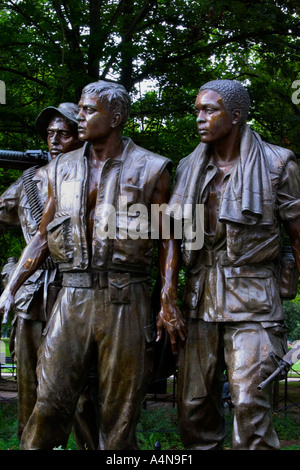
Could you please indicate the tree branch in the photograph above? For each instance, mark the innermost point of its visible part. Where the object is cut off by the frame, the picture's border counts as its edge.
(17, 9)
(127, 35)
(24, 75)
(177, 56)
(138, 18)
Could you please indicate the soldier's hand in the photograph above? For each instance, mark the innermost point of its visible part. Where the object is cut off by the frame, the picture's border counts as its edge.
(6, 305)
(172, 320)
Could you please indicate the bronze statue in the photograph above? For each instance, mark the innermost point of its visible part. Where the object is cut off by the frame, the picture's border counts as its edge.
(250, 190)
(21, 205)
(59, 128)
(103, 311)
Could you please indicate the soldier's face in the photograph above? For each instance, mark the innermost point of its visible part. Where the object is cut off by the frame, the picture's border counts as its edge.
(213, 121)
(94, 119)
(61, 137)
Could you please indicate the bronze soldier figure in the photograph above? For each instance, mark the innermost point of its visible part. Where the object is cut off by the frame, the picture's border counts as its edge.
(250, 190)
(103, 310)
(22, 205)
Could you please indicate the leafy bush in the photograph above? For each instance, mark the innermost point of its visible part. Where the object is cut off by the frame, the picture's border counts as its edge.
(292, 312)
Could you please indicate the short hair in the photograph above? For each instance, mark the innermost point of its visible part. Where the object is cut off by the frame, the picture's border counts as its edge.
(234, 95)
(113, 94)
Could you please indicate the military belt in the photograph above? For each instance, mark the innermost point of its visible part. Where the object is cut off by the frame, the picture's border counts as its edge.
(96, 279)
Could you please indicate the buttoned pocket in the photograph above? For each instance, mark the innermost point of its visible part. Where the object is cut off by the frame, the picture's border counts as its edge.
(59, 238)
(288, 275)
(248, 289)
(119, 288)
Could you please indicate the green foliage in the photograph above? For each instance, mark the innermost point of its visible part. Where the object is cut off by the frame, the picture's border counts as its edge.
(51, 49)
(292, 312)
(159, 425)
(162, 52)
(8, 427)
(287, 427)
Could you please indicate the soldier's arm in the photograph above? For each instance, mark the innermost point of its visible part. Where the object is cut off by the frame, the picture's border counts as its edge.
(31, 259)
(169, 316)
(288, 204)
(9, 203)
(292, 228)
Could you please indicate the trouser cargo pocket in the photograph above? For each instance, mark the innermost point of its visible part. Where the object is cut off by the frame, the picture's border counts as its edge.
(119, 288)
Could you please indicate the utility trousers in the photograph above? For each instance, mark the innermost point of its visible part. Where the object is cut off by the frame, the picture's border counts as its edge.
(86, 326)
(242, 349)
(28, 340)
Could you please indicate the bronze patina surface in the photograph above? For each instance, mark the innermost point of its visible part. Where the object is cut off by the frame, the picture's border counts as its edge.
(250, 191)
(103, 316)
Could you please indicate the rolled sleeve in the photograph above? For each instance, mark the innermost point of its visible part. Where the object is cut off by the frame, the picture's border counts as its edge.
(9, 203)
(288, 193)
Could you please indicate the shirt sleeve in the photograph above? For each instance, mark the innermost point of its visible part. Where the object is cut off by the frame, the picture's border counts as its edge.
(9, 203)
(288, 192)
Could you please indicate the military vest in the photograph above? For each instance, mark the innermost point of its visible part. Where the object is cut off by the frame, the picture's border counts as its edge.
(125, 190)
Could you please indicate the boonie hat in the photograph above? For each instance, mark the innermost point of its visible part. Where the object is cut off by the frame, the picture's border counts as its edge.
(67, 110)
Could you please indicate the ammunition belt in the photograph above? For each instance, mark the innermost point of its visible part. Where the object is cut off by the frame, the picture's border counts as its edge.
(36, 205)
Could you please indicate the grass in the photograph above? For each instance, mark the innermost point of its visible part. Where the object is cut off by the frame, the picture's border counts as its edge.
(294, 372)
(8, 427)
(296, 366)
(6, 342)
(158, 425)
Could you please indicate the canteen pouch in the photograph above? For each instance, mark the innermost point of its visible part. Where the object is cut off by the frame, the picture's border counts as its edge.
(288, 275)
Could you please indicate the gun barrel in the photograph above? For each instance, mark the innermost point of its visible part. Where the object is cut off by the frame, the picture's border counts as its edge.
(22, 160)
(12, 154)
(271, 377)
(284, 364)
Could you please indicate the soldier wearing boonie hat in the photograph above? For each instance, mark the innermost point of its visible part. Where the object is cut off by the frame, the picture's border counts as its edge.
(67, 110)
(58, 128)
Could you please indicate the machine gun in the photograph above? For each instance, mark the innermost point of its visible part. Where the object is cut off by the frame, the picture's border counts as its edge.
(23, 160)
(284, 364)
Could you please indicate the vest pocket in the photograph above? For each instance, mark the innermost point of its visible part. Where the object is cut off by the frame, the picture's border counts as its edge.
(248, 290)
(59, 238)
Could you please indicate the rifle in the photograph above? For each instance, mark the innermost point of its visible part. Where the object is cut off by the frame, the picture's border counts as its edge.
(284, 365)
(23, 160)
